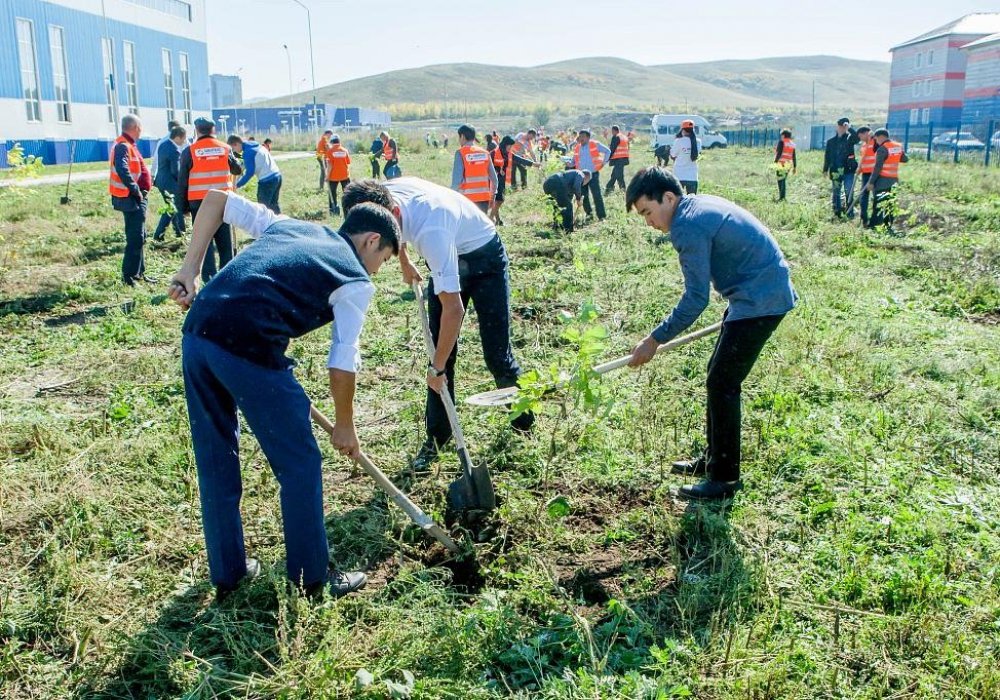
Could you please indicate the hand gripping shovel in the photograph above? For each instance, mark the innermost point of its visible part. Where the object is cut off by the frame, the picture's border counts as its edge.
(474, 489)
(505, 397)
(418, 516)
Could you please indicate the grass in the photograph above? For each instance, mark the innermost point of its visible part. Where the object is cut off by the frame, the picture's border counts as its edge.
(860, 561)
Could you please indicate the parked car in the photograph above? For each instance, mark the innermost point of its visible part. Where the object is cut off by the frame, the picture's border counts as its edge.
(964, 140)
(665, 127)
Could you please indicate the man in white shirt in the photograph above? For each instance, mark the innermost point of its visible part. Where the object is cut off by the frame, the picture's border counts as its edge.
(296, 277)
(684, 152)
(467, 262)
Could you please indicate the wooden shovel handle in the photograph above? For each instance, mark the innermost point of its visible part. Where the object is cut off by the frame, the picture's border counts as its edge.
(675, 343)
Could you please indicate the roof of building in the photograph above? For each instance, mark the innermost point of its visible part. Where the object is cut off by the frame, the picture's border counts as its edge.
(982, 23)
(985, 41)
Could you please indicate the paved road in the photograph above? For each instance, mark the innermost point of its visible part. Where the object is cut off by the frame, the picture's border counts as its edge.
(92, 175)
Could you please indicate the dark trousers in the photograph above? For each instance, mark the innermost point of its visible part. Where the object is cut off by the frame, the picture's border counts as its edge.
(617, 176)
(134, 259)
(883, 208)
(485, 282)
(322, 172)
(690, 186)
(842, 202)
(556, 188)
(483, 207)
(216, 384)
(334, 205)
(593, 189)
(376, 169)
(522, 170)
(865, 199)
(782, 187)
(268, 193)
(736, 350)
(166, 219)
(222, 242)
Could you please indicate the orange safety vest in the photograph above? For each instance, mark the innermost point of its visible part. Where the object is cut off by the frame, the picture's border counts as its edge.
(512, 151)
(321, 147)
(868, 151)
(595, 156)
(116, 187)
(891, 166)
(337, 159)
(476, 179)
(209, 168)
(622, 150)
(388, 152)
(787, 151)
(497, 157)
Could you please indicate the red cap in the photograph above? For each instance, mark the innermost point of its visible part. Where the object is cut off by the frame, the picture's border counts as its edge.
(687, 124)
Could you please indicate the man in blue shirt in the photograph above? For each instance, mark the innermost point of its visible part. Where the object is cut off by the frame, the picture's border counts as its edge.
(259, 161)
(591, 155)
(719, 244)
(563, 187)
(168, 157)
(296, 278)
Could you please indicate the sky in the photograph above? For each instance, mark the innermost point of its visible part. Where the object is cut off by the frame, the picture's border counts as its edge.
(352, 39)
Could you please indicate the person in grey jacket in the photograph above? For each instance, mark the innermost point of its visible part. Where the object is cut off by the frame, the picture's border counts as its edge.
(168, 156)
(719, 244)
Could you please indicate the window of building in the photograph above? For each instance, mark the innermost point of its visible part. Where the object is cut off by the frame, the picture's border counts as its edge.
(916, 88)
(918, 60)
(60, 72)
(927, 87)
(185, 86)
(168, 83)
(108, 56)
(177, 8)
(927, 115)
(930, 57)
(131, 87)
(914, 116)
(29, 69)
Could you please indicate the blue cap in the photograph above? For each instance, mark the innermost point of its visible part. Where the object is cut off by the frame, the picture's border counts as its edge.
(201, 123)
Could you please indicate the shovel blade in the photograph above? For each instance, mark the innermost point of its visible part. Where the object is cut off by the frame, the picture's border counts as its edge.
(474, 492)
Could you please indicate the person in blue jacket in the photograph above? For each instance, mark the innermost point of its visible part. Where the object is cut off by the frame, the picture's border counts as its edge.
(168, 158)
(258, 161)
(376, 151)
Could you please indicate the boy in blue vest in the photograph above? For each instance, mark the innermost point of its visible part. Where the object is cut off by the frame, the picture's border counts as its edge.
(723, 245)
(295, 278)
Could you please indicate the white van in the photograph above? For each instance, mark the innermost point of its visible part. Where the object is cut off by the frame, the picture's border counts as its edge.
(666, 126)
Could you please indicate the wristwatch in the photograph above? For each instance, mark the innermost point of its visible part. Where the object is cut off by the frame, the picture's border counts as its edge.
(431, 369)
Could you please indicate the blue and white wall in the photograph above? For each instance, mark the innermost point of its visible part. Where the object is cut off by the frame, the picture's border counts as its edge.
(152, 26)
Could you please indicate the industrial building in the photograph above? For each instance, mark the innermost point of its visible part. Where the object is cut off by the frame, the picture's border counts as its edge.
(227, 90)
(73, 67)
(249, 119)
(948, 75)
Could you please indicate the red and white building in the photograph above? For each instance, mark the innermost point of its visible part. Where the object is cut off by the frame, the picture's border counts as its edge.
(982, 80)
(929, 74)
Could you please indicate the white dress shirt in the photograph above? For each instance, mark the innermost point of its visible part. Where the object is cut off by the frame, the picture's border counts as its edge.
(440, 224)
(349, 302)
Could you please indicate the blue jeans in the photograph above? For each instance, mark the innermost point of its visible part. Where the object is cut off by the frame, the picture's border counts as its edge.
(133, 261)
(216, 384)
(485, 282)
(268, 192)
(842, 202)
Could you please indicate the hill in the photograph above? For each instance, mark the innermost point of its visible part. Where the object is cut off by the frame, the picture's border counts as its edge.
(614, 82)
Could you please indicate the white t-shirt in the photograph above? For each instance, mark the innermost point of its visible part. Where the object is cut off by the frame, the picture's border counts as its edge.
(440, 224)
(685, 168)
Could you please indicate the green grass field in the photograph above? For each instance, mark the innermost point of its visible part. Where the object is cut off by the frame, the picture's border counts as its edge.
(861, 560)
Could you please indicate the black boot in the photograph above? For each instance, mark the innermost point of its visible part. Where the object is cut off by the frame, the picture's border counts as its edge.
(708, 490)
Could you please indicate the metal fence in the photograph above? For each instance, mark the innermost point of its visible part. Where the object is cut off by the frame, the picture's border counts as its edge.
(955, 142)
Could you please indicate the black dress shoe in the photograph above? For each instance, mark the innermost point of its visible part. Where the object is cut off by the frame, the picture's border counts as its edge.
(253, 571)
(339, 583)
(425, 458)
(690, 467)
(147, 279)
(708, 490)
(523, 422)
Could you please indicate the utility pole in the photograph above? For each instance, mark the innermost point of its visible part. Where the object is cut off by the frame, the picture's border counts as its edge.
(291, 95)
(312, 61)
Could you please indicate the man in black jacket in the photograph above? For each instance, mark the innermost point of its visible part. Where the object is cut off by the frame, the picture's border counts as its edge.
(168, 160)
(129, 186)
(841, 164)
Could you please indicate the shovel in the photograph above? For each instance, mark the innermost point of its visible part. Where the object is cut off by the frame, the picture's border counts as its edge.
(418, 516)
(474, 489)
(505, 397)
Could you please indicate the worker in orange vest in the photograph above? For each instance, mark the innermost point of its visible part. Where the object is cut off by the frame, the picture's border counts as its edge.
(885, 177)
(338, 161)
(473, 173)
(321, 148)
(208, 164)
(390, 151)
(866, 165)
(785, 158)
(521, 156)
(619, 148)
(129, 186)
(591, 155)
(498, 152)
